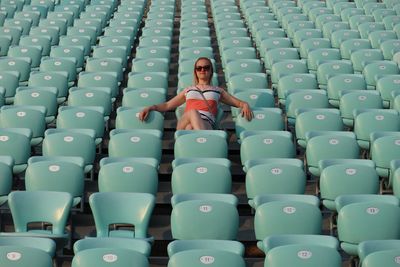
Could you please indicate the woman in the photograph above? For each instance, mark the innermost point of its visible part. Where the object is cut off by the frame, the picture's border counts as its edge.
(201, 101)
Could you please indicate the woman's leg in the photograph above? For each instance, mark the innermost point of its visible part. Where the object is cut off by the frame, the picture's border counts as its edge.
(192, 119)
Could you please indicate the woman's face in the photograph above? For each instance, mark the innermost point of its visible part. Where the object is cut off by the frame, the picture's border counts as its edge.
(203, 69)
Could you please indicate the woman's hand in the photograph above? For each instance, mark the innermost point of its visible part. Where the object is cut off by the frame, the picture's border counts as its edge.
(145, 113)
(246, 111)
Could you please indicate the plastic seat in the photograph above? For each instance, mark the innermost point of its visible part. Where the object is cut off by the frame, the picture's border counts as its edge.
(378, 37)
(153, 52)
(38, 96)
(108, 65)
(304, 34)
(54, 79)
(9, 81)
(205, 143)
(74, 52)
(135, 143)
(248, 81)
(344, 178)
(5, 42)
(362, 57)
(194, 41)
(343, 82)
(196, 175)
(30, 117)
(286, 67)
(196, 256)
(330, 27)
(265, 119)
(56, 175)
(274, 176)
(368, 121)
(311, 44)
(192, 32)
(80, 41)
(390, 21)
(127, 118)
(256, 98)
(356, 20)
(27, 256)
(371, 246)
(157, 31)
(242, 66)
(295, 26)
(366, 28)
(125, 32)
(191, 217)
(347, 47)
(13, 32)
(319, 56)
(82, 117)
(147, 80)
(196, 52)
(134, 98)
(231, 246)
(99, 79)
(309, 119)
(71, 142)
(42, 41)
(339, 36)
(295, 81)
(117, 52)
(123, 41)
(286, 214)
(290, 18)
(313, 255)
(34, 53)
(389, 48)
(276, 55)
(383, 150)
(329, 145)
(381, 216)
(264, 34)
(110, 208)
(91, 96)
(331, 68)
(67, 65)
(387, 87)
(128, 175)
(150, 65)
(323, 19)
(106, 256)
(275, 241)
(40, 206)
(24, 24)
(357, 99)
(20, 65)
(137, 245)
(278, 144)
(381, 257)
(304, 98)
(6, 171)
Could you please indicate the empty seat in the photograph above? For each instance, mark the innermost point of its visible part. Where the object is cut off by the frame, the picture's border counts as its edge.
(105, 256)
(110, 208)
(204, 143)
(191, 216)
(266, 144)
(128, 175)
(201, 175)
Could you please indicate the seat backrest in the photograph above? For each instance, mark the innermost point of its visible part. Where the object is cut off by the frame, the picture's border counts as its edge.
(40, 206)
(204, 219)
(122, 207)
(206, 256)
(22, 256)
(102, 257)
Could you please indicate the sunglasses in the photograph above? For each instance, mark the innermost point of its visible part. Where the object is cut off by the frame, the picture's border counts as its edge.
(204, 68)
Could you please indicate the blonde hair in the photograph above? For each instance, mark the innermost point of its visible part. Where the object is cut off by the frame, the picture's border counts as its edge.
(195, 78)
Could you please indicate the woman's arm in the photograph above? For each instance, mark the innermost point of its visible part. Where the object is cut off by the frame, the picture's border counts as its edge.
(229, 99)
(173, 103)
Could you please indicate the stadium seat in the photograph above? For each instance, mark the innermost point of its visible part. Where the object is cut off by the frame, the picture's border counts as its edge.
(101, 257)
(204, 256)
(277, 144)
(40, 206)
(329, 145)
(55, 79)
(135, 143)
(368, 121)
(110, 208)
(204, 143)
(127, 175)
(56, 174)
(191, 217)
(26, 256)
(201, 175)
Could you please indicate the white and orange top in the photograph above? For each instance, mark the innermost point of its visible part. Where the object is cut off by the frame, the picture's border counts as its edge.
(194, 100)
